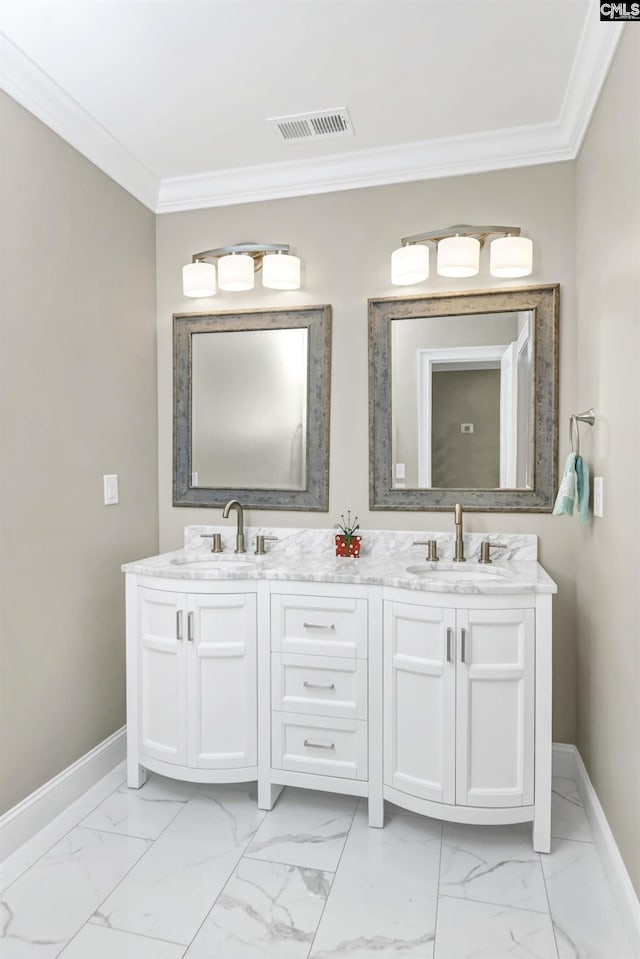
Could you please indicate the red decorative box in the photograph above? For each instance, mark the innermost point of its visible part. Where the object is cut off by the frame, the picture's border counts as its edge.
(341, 545)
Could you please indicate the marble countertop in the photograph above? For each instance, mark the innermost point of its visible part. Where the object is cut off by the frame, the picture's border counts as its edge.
(293, 557)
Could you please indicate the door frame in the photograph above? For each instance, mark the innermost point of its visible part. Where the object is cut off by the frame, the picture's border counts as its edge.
(463, 358)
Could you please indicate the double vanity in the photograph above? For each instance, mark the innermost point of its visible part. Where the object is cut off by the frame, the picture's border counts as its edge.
(426, 683)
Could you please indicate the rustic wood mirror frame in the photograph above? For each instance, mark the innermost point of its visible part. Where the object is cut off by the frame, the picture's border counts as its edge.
(544, 302)
(317, 321)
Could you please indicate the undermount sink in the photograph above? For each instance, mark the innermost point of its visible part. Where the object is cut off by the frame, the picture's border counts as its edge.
(213, 561)
(464, 574)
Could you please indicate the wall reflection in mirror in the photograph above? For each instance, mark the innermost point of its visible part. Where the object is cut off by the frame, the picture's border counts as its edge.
(461, 401)
(256, 381)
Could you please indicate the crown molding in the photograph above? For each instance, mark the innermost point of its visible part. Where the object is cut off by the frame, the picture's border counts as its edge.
(595, 53)
(424, 160)
(552, 142)
(34, 89)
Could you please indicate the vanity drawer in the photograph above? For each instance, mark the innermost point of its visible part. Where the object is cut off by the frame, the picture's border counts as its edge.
(319, 625)
(320, 745)
(319, 685)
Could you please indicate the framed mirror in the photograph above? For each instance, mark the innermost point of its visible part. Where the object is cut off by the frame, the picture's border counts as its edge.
(463, 400)
(251, 395)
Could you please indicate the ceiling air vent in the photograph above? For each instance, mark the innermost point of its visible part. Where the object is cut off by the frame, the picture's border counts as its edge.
(325, 125)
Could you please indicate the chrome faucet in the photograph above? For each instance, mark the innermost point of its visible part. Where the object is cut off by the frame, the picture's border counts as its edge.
(234, 504)
(459, 553)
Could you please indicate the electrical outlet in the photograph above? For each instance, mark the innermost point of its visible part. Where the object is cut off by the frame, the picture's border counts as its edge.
(400, 470)
(110, 489)
(598, 496)
(466, 427)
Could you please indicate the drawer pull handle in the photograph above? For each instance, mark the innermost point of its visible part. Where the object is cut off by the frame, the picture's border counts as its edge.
(308, 685)
(307, 742)
(449, 634)
(318, 626)
(189, 627)
(463, 652)
(179, 625)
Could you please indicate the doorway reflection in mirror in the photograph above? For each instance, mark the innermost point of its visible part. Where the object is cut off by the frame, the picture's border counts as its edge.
(462, 410)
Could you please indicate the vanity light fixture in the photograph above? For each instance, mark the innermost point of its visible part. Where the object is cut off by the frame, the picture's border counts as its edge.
(237, 266)
(458, 253)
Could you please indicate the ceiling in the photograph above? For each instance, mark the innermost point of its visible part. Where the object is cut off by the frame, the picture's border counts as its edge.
(171, 98)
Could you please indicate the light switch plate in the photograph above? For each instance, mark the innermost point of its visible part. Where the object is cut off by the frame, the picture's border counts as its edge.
(400, 470)
(598, 496)
(110, 481)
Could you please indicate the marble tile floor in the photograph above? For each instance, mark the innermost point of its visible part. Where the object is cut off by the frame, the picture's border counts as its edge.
(178, 871)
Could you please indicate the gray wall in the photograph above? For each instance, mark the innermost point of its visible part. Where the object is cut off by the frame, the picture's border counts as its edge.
(345, 241)
(608, 549)
(78, 399)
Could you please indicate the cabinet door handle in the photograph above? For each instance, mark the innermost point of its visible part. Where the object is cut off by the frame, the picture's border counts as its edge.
(189, 627)
(308, 685)
(449, 635)
(318, 626)
(308, 742)
(179, 625)
(463, 646)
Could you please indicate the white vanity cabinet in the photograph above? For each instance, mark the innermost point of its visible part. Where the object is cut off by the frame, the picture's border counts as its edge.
(320, 675)
(191, 682)
(433, 694)
(462, 727)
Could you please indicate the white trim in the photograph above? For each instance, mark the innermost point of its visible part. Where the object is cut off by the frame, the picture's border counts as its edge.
(508, 413)
(30, 86)
(564, 760)
(453, 357)
(568, 762)
(422, 160)
(551, 142)
(595, 53)
(38, 809)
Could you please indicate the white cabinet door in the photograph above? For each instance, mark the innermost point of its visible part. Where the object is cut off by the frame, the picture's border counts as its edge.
(419, 678)
(162, 687)
(222, 680)
(495, 708)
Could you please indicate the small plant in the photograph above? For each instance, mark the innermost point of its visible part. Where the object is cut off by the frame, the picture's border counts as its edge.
(348, 528)
(347, 543)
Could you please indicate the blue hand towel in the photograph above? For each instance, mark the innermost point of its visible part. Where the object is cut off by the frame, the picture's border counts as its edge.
(567, 493)
(582, 474)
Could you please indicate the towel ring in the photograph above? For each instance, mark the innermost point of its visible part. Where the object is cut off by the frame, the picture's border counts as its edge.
(589, 417)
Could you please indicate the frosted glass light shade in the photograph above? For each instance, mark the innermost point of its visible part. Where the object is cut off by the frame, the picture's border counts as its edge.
(235, 272)
(409, 264)
(281, 271)
(511, 256)
(199, 279)
(458, 256)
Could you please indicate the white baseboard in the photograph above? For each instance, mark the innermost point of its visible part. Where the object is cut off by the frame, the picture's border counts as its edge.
(567, 762)
(36, 811)
(564, 760)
